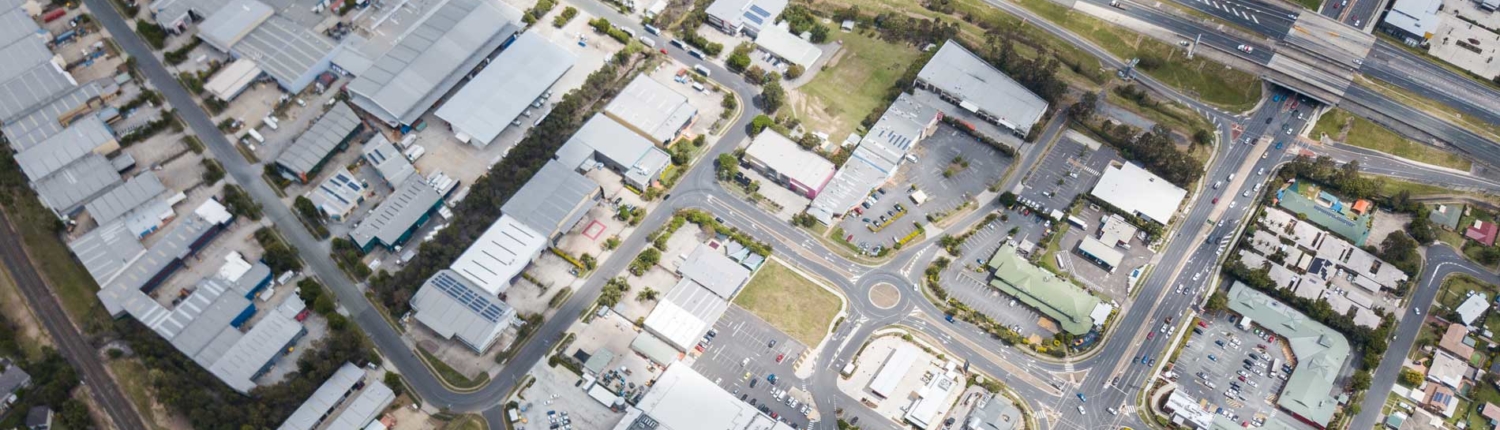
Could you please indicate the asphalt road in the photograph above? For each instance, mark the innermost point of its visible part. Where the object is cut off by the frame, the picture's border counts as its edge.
(70, 343)
(1442, 262)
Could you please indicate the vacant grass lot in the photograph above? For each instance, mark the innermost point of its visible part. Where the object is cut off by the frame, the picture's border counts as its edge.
(133, 377)
(30, 335)
(1209, 81)
(790, 302)
(867, 68)
(1366, 134)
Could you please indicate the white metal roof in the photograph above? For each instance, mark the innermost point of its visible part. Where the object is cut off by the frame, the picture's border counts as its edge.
(432, 57)
(339, 194)
(499, 254)
(685, 314)
(755, 14)
(713, 270)
(388, 161)
(521, 73)
(894, 369)
(289, 52)
(82, 137)
(1135, 190)
(788, 46)
(1101, 251)
(233, 79)
(682, 399)
(364, 408)
(786, 157)
(876, 158)
(226, 26)
(602, 137)
(651, 109)
(132, 194)
(550, 198)
(1419, 17)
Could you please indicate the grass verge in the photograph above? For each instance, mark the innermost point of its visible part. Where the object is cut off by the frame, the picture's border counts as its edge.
(133, 379)
(63, 274)
(1367, 134)
(467, 422)
(31, 336)
(790, 302)
(1433, 107)
(450, 375)
(1209, 81)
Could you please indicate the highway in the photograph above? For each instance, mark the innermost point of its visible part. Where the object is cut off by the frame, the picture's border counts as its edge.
(1048, 385)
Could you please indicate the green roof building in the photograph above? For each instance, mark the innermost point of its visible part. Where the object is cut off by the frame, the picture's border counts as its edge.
(1310, 393)
(1075, 310)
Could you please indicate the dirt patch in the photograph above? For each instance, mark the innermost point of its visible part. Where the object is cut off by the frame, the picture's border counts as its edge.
(885, 296)
(15, 310)
(1386, 223)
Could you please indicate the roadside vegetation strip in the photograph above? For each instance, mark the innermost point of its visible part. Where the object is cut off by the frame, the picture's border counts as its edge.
(1435, 108)
(39, 229)
(790, 302)
(132, 378)
(467, 422)
(450, 376)
(1209, 81)
(1340, 125)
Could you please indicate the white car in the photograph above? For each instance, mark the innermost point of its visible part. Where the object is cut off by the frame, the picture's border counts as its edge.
(1080, 410)
(1246, 48)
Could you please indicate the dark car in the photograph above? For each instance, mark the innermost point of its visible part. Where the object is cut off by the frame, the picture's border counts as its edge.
(772, 344)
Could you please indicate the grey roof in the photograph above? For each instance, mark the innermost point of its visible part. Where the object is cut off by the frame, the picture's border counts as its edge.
(715, 271)
(388, 161)
(38, 416)
(490, 101)
(38, 85)
(959, 72)
(599, 360)
(788, 46)
(291, 53)
(651, 109)
(451, 306)
(120, 291)
(77, 183)
(998, 413)
(499, 254)
(655, 349)
(21, 55)
(169, 11)
(432, 57)
(1321, 352)
(685, 313)
(603, 137)
(42, 122)
(364, 408)
(200, 318)
(325, 399)
(117, 202)
(263, 343)
(229, 24)
(12, 379)
(315, 144)
(84, 136)
(876, 158)
(16, 24)
(549, 198)
(106, 250)
(750, 13)
(398, 214)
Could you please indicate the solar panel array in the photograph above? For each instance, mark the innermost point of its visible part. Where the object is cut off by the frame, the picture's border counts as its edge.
(453, 288)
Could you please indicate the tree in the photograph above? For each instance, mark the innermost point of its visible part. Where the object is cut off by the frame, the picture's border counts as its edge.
(646, 294)
(1218, 301)
(1007, 199)
(737, 62)
(1411, 377)
(1360, 381)
(1085, 107)
(393, 381)
(1421, 229)
(759, 124)
(1203, 137)
(819, 34)
(795, 71)
(755, 75)
(809, 141)
(1489, 255)
(772, 97)
(727, 166)
(1400, 250)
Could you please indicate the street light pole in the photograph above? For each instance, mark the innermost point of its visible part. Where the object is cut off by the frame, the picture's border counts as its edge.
(1195, 45)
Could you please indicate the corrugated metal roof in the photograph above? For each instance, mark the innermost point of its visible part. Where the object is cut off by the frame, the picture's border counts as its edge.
(499, 254)
(364, 408)
(549, 198)
(685, 314)
(77, 183)
(398, 214)
(432, 57)
(38, 85)
(325, 399)
(264, 342)
(788, 46)
(289, 52)
(651, 109)
(618, 145)
(751, 13)
(106, 250)
(226, 26)
(16, 24)
(40, 123)
(876, 158)
(1054, 297)
(520, 74)
(124, 198)
(22, 55)
(716, 272)
(451, 306)
(786, 157)
(388, 161)
(959, 72)
(1321, 352)
(315, 144)
(84, 136)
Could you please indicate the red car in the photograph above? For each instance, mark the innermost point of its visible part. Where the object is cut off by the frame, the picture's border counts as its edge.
(1216, 200)
(1151, 335)
(1202, 323)
(1242, 379)
(780, 357)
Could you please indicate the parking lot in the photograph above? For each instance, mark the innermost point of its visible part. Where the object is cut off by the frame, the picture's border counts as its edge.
(1213, 367)
(963, 282)
(743, 347)
(951, 168)
(1070, 168)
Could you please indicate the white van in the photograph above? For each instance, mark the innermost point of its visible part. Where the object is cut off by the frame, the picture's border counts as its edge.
(415, 152)
(255, 135)
(648, 41)
(270, 121)
(701, 70)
